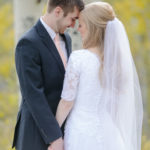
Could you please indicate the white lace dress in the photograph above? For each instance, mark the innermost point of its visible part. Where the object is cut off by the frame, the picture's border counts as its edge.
(88, 125)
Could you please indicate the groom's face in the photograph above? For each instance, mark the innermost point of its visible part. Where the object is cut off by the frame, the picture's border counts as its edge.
(67, 21)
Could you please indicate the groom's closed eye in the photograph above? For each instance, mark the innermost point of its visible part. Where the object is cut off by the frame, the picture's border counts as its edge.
(73, 19)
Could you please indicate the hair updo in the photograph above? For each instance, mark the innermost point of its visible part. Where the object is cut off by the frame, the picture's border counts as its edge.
(95, 16)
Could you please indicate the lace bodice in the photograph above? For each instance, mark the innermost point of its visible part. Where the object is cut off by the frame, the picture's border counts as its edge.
(81, 83)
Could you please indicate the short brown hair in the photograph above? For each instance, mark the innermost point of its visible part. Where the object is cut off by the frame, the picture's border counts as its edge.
(66, 5)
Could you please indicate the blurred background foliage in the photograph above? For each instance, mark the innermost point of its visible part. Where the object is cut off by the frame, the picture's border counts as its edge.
(8, 88)
(135, 14)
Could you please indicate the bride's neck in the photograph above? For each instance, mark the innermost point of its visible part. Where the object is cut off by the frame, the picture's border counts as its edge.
(95, 50)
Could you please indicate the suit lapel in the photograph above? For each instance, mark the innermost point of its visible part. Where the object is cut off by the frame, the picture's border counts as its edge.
(48, 42)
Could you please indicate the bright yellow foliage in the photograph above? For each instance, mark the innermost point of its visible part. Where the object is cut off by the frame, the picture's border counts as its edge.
(6, 32)
(145, 143)
(8, 92)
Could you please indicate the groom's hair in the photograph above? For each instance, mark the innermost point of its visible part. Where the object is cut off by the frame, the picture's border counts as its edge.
(66, 5)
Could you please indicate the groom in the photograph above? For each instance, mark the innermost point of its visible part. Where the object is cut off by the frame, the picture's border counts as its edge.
(41, 56)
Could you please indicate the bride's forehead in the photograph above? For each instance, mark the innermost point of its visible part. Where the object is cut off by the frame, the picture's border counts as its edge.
(80, 19)
(80, 16)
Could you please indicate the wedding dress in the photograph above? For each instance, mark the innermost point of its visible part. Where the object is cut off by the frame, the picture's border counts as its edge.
(85, 128)
(106, 115)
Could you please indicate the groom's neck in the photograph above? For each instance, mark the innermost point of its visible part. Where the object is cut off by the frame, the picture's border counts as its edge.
(50, 20)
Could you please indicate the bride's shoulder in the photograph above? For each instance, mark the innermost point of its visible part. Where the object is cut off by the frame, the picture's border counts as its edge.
(81, 55)
(77, 56)
(78, 53)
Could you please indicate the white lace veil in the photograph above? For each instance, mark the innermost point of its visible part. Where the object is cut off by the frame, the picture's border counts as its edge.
(122, 94)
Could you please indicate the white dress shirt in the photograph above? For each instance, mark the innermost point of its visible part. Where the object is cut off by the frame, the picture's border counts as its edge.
(52, 34)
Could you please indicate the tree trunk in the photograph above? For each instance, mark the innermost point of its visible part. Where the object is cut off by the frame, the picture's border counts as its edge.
(26, 13)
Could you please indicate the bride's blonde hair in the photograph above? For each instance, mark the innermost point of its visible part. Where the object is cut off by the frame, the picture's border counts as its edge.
(96, 15)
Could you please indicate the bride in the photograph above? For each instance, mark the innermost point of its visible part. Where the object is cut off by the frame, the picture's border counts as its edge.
(101, 96)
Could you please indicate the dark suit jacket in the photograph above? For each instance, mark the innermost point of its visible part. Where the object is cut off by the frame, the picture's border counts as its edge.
(41, 73)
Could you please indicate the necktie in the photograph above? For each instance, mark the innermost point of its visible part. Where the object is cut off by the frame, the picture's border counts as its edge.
(58, 46)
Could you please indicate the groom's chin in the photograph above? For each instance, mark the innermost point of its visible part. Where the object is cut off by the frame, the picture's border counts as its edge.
(62, 31)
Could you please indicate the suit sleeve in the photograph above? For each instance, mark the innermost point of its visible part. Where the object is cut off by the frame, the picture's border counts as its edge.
(29, 70)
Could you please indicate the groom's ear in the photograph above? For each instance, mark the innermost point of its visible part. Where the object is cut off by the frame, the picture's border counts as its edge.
(58, 11)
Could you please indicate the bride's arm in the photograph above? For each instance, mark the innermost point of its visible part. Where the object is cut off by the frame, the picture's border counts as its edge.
(63, 110)
(70, 86)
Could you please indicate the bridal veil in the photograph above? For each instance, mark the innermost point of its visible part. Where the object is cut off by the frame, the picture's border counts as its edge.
(121, 89)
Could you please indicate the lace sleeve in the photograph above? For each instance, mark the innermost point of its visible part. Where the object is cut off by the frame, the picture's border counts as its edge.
(71, 79)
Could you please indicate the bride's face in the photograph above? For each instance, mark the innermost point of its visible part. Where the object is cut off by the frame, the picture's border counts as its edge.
(82, 28)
